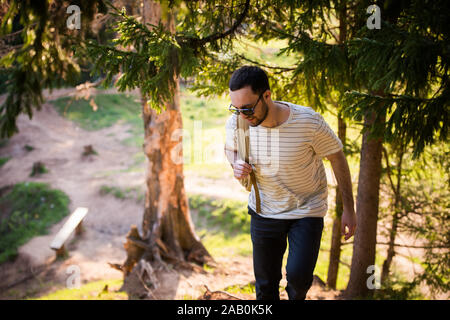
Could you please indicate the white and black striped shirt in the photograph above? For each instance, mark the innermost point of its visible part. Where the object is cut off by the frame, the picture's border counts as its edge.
(287, 161)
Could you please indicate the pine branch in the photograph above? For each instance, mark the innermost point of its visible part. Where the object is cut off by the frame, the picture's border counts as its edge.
(388, 167)
(198, 42)
(281, 69)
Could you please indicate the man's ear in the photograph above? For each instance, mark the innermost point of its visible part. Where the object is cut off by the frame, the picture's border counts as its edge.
(267, 95)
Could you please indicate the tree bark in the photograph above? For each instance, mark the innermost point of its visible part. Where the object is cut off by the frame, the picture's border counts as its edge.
(396, 214)
(168, 231)
(335, 250)
(367, 210)
(391, 249)
(166, 215)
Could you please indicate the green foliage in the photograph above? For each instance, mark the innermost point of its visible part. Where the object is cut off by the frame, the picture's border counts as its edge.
(28, 148)
(216, 68)
(28, 210)
(400, 70)
(4, 160)
(152, 68)
(162, 53)
(38, 168)
(249, 288)
(230, 215)
(428, 201)
(121, 193)
(223, 225)
(424, 213)
(40, 54)
(3, 142)
(399, 290)
(405, 64)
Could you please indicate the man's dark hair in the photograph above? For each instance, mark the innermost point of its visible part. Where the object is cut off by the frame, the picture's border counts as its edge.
(251, 76)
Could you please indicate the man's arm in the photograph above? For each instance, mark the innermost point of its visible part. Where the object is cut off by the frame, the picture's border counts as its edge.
(342, 174)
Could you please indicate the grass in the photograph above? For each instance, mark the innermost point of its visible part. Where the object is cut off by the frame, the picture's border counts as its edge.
(111, 109)
(204, 134)
(4, 160)
(4, 142)
(223, 225)
(230, 215)
(38, 169)
(210, 170)
(211, 112)
(28, 210)
(249, 288)
(122, 193)
(28, 148)
(90, 291)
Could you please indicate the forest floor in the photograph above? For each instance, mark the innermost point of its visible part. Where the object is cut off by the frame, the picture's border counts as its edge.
(59, 144)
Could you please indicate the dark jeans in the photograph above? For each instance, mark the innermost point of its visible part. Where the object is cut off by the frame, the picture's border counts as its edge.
(269, 244)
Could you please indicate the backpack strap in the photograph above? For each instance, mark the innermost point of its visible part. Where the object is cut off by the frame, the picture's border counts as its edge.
(243, 141)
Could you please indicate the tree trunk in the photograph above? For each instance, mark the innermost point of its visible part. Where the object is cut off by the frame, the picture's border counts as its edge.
(396, 214)
(391, 249)
(367, 210)
(166, 215)
(335, 250)
(168, 231)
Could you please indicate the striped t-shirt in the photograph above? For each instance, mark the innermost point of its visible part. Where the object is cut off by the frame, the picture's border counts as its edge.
(287, 161)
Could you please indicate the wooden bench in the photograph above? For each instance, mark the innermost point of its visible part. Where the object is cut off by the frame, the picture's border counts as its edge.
(73, 223)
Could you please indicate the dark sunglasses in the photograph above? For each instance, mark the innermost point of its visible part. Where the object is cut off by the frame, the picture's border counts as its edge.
(246, 111)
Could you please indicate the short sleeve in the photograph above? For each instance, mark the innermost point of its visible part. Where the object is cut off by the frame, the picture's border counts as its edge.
(230, 128)
(325, 141)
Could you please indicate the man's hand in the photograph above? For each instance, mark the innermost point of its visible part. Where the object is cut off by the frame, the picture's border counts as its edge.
(348, 220)
(241, 169)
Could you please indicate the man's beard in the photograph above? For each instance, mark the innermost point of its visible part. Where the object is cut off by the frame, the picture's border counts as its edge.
(266, 111)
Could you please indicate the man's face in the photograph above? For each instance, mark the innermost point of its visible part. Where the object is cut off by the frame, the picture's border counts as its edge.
(245, 98)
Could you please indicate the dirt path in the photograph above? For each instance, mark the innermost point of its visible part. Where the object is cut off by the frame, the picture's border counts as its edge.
(58, 143)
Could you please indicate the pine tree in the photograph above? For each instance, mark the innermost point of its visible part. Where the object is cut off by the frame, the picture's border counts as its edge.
(152, 56)
(160, 54)
(36, 52)
(394, 80)
(317, 35)
(405, 68)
